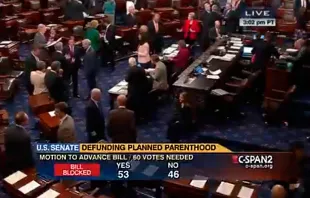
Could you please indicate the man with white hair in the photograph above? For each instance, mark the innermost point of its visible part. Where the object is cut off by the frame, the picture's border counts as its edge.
(90, 63)
(278, 191)
(95, 124)
(64, 64)
(138, 87)
(39, 38)
(131, 20)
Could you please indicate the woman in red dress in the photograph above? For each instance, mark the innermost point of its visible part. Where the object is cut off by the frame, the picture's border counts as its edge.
(191, 29)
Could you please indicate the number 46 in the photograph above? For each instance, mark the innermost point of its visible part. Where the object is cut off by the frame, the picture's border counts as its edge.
(174, 174)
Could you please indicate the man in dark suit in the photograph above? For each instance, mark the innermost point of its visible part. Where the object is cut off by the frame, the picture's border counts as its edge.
(155, 34)
(17, 141)
(73, 55)
(216, 14)
(93, 6)
(207, 23)
(300, 8)
(73, 10)
(95, 123)
(131, 20)
(121, 123)
(90, 64)
(109, 44)
(141, 4)
(55, 84)
(31, 65)
(137, 88)
(58, 55)
(229, 19)
(217, 31)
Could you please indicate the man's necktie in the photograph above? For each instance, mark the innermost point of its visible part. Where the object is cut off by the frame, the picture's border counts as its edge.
(156, 27)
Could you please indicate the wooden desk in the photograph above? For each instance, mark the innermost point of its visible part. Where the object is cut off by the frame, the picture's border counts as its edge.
(71, 24)
(41, 103)
(182, 188)
(143, 16)
(33, 17)
(166, 13)
(9, 49)
(49, 125)
(64, 191)
(13, 190)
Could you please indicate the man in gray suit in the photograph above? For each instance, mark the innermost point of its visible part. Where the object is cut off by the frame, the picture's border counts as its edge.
(159, 74)
(90, 63)
(39, 38)
(66, 129)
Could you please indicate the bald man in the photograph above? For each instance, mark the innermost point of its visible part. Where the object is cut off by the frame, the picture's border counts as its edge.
(17, 142)
(95, 124)
(121, 123)
(278, 191)
(39, 38)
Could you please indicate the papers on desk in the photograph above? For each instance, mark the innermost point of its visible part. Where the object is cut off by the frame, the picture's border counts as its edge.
(169, 50)
(85, 15)
(123, 83)
(49, 194)
(235, 39)
(173, 54)
(5, 42)
(216, 72)
(174, 45)
(118, 37)
(51, 25)
(150, 170)
(150, 70)
(29, 187)
(245, 192)
(219, 92)
(221, 48)
(199, 181)
(235, 47)
(15, 177)
(115, 89)
(226, 57)
(210, 58)
(225, 188)
(291, 50)
(53, 43)
(238, 44)
(52, 113)
(214, 77)
(232, 52)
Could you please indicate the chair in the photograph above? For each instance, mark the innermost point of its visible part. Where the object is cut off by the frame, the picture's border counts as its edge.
(6, 69)
(7, 88)
(275, 105)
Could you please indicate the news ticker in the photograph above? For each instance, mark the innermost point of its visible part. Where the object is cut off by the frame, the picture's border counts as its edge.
(257, 22)
(152, 161)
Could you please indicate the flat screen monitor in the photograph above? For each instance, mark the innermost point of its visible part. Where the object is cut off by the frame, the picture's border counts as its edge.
(261, 37)
(247, 51)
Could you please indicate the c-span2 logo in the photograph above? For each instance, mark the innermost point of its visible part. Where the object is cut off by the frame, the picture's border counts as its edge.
(254, 161)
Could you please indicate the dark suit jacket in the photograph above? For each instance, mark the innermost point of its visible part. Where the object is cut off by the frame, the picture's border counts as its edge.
(230, 21)
(74, 11)
(110, 35)
(55, 86)
(121, 126)
(207, 21)
(263, 51)
(137, 82)
(183, 115)
(77, 54)
(18, 148)
(95, 121)
(213, 35)
(141, 4)
(57, 56)
(30, 65)
(151, 30)
(90, 62)
(130, 20)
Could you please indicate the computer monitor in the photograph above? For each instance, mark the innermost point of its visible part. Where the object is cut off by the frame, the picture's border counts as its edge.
(261, 37)
(247, 51)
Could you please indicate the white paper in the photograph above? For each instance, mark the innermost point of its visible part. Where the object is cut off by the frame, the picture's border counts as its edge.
(169, 50)
(85, 15)
(123, 83)
(204, 69)
(221, 48)
(214, 77)
(49, 194)
(238, 44)
(115, 89)
(235, 39)
(235, 42)
(150, 170)
(15, 177)
(174, 45)
(5, 42)
(51, 113)
(291, 50)
(53, 43)
(29, 187)
(225, 188)
(217, 72)
(219, 92)
(294, 186)
(245, 192)
(118, 37)
(233, 52)
(199, 181)
(235, 47)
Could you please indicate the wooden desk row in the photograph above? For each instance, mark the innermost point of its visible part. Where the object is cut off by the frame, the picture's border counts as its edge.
(28, 184)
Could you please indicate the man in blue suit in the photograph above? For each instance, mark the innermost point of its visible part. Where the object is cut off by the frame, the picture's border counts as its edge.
(90, 64)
